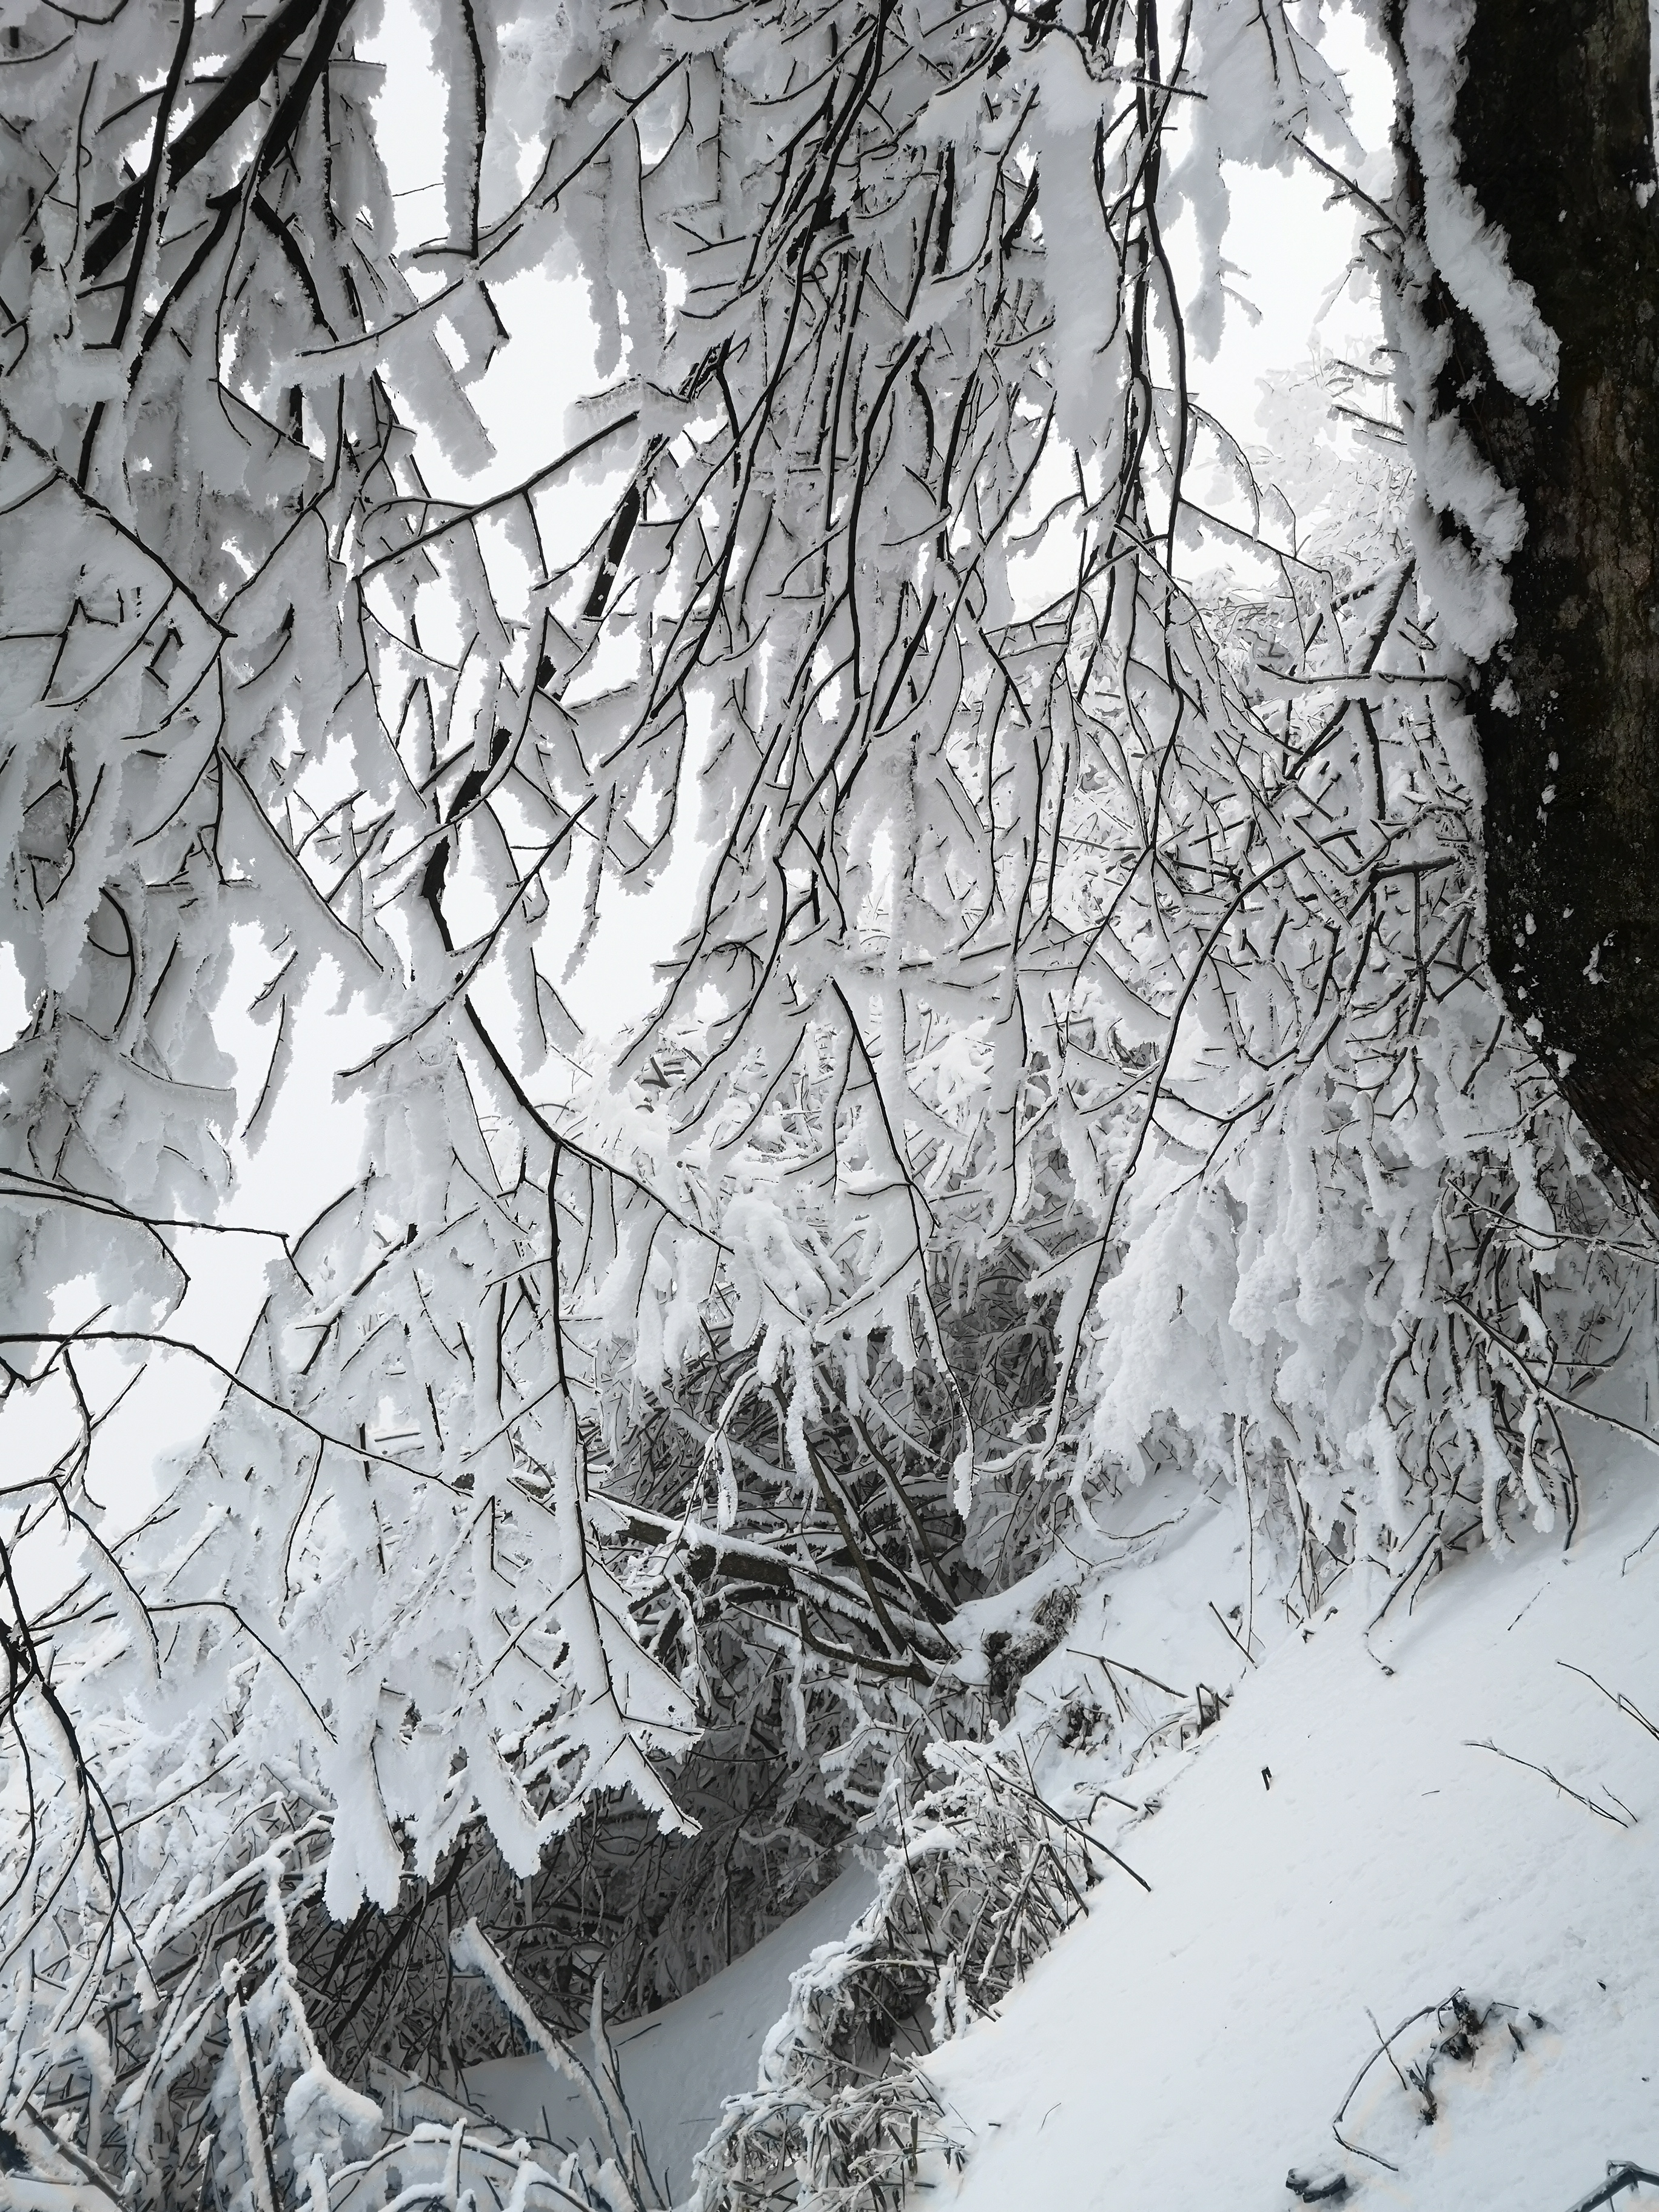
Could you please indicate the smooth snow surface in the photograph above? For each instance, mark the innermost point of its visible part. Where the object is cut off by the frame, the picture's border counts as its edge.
(1191, 2047)
(678, 2064)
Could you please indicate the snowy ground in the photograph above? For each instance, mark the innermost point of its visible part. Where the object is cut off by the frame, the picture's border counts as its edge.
(1191, 2047)
(678, 2064)
(1338, 1856)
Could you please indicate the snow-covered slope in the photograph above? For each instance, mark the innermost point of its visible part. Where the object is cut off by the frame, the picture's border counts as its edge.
(678, 2064)
(1353, 1846)
(1342, 1854)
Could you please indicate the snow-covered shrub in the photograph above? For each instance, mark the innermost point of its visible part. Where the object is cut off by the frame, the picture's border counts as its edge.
(985, 1876)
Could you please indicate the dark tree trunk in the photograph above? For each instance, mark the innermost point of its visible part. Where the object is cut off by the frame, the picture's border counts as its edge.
(1554, 124)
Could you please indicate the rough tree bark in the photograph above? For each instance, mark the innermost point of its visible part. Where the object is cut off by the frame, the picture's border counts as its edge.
(1555, 126)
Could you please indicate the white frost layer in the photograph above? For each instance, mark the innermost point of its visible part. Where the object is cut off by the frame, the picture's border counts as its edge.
(1192, 2046)
(1464, 578)
(1471, 252)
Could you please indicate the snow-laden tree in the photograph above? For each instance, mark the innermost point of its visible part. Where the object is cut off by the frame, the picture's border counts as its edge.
(1078, 1059)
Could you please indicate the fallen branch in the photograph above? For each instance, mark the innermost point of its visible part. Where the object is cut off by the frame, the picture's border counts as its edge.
(1623, 2175)
(1629, 1821)
(1618, 1698)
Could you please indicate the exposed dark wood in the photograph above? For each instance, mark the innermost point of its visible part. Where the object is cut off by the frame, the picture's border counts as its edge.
(116, 224)
(1554, 125)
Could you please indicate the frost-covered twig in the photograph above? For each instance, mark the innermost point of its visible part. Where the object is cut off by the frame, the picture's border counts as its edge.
(1622, 2174)
(1623, 1819)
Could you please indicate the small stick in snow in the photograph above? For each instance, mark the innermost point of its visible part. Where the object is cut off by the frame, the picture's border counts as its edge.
(1621, 2174)
(1382, 2045)
(1123, 1667)
(1229, 1631)
(1358, 2150)
(1618, 1698)
(1629, 1821)
(1383, 2050)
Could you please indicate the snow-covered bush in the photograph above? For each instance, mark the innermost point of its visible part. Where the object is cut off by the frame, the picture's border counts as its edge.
(984, 1877)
